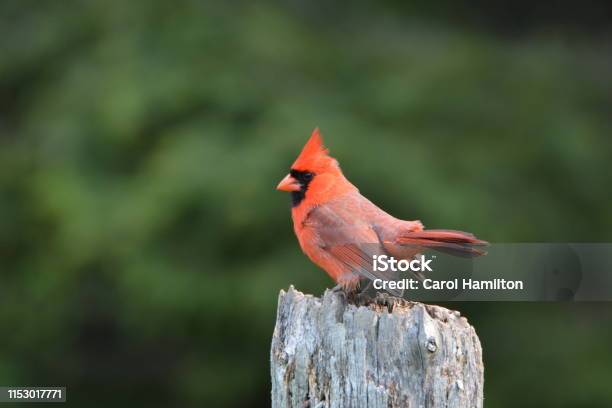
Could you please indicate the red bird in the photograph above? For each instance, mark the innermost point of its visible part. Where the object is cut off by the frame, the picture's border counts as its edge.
(340, 230)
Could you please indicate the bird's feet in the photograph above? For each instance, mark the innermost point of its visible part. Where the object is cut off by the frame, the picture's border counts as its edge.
(338, 288)
(341, 291)
(356, 294)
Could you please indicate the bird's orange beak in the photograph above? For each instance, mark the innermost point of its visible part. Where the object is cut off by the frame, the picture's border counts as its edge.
(289, 184)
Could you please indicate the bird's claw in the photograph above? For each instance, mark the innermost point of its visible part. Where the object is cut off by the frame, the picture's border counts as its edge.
(338, 288)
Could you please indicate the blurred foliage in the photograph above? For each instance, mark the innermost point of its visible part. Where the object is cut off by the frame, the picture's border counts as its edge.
(142, 244)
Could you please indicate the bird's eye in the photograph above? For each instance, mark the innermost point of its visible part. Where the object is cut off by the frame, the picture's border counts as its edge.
(308, 176)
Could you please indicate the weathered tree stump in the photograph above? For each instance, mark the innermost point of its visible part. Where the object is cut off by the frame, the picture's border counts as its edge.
(391, 353)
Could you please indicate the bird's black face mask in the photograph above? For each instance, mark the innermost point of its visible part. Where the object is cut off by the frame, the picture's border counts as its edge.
(304, 178)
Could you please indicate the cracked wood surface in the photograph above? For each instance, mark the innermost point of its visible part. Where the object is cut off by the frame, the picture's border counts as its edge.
(391, 353)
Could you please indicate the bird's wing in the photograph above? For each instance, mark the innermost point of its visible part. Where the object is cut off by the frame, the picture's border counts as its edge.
(348, 238)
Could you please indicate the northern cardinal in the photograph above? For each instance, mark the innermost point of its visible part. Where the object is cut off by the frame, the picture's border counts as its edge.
(340, 230)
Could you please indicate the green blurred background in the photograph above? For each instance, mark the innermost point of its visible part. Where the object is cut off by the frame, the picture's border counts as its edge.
(142, 243)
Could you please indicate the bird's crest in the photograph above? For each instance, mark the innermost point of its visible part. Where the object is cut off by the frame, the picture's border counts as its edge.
(314, 156)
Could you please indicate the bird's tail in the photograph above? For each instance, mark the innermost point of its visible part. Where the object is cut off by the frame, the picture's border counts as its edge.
(456, 243)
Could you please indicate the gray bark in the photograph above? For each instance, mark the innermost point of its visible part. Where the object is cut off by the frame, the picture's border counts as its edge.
(390, 353)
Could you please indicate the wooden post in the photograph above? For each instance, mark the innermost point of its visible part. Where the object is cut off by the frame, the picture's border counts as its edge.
(392, 353)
